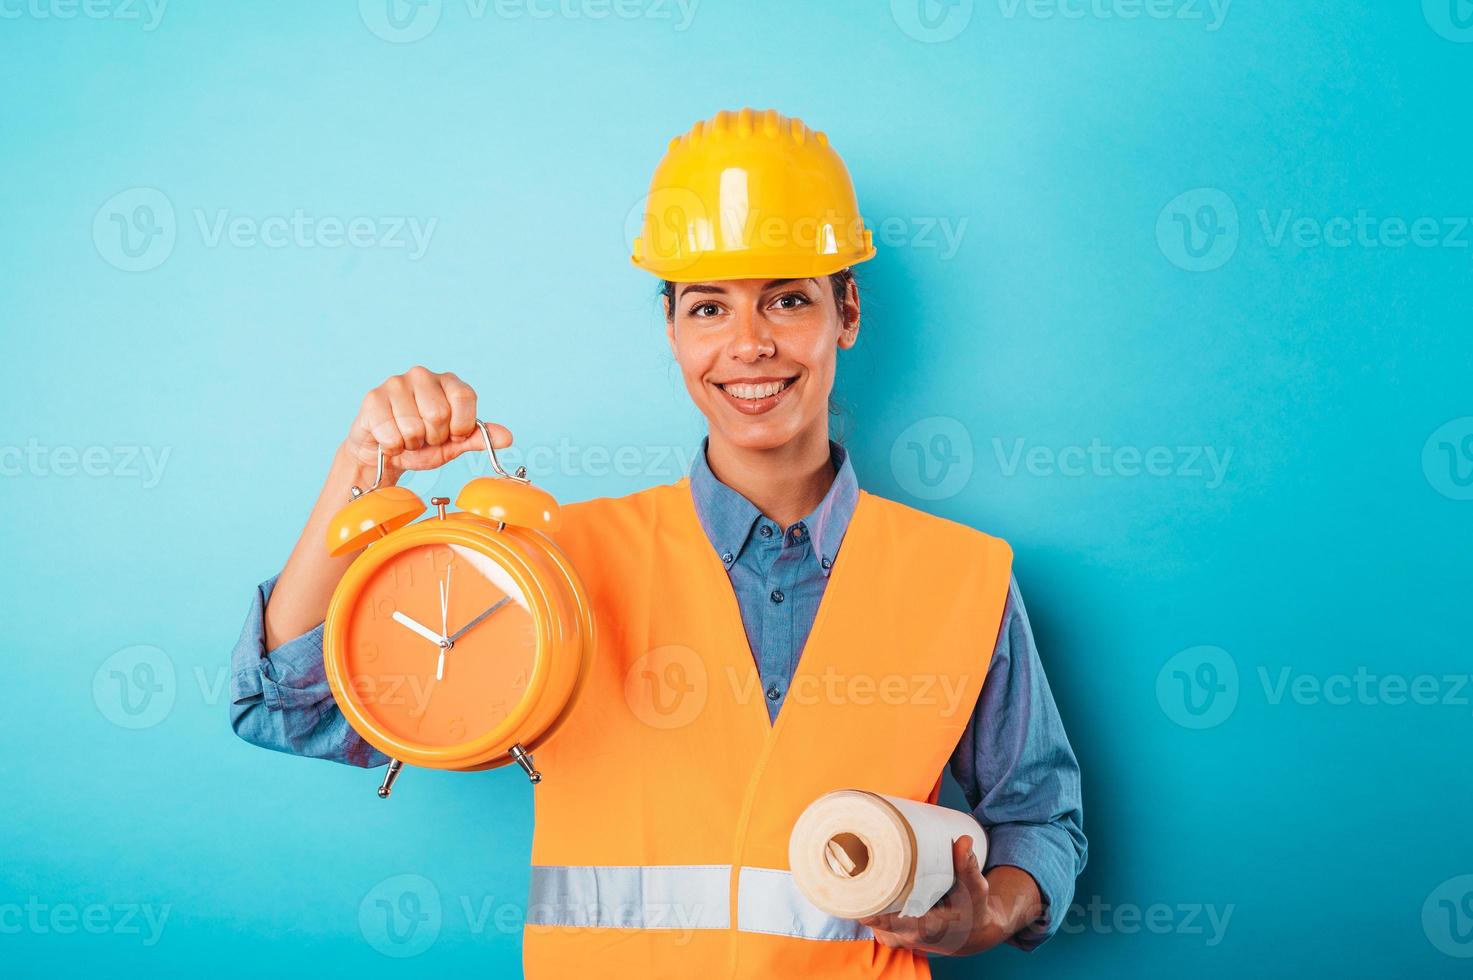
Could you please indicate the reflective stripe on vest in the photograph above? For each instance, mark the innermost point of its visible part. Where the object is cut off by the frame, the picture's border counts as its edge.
(680, 897)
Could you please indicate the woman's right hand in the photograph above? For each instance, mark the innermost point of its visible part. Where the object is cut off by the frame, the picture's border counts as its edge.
(422, 420)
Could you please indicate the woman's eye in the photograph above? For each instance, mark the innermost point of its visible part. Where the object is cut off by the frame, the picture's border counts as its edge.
(791, 301)
(705, 309)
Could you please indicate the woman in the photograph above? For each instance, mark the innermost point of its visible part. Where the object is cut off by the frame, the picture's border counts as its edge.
(915, 649)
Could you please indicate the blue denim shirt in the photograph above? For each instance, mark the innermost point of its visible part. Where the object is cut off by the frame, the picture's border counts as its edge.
(1013, 763)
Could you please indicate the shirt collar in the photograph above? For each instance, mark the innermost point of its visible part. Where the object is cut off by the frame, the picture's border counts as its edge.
(727, 517)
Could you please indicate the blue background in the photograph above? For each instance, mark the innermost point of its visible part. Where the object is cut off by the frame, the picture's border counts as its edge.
(1068, 313)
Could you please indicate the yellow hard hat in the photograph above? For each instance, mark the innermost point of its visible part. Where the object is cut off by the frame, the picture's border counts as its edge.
(751, 195)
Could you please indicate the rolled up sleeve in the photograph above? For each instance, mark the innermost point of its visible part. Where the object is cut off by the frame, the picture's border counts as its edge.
(1020, 776)
(280, 699)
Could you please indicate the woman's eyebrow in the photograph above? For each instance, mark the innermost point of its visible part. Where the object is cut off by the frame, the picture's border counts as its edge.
(700, 287)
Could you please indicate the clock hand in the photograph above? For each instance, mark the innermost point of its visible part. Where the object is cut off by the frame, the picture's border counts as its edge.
(444, 624)
(423, 631)
(467, 627)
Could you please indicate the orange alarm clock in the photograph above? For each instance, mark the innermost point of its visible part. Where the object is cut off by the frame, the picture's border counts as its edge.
(460, 641)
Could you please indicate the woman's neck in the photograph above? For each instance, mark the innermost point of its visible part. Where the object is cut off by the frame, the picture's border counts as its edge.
(785, 483)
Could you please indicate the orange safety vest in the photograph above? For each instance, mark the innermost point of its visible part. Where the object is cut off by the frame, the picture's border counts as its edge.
(661, 838)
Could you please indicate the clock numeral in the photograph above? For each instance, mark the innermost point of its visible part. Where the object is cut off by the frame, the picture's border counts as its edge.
(382, 608)
(441, 559)
(456, 729)
(368, 652)
(403, 573)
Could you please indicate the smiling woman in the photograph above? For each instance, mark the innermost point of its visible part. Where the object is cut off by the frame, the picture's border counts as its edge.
(729, 605)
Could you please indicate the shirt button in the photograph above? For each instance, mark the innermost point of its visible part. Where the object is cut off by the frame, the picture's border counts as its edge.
(798, 533)
(764, 530)
(727, 557)
(777, 595)
(826, 563)
(773, 693)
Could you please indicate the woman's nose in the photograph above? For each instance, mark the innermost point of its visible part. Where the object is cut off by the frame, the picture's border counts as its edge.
(752, 338)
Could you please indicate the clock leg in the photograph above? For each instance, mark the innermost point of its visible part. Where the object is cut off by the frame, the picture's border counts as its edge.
(388, 784)
(525, 761)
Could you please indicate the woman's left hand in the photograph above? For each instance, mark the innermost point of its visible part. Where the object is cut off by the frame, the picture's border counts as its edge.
(970, 918)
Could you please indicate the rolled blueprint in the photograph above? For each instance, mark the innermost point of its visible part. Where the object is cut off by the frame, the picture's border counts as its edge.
(855, 854)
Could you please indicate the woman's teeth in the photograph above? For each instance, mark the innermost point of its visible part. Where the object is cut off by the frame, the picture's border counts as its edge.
(765, 390)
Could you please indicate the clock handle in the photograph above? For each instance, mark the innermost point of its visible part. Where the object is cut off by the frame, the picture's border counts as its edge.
(378, 476)
(521, 473)
(387, 786)
(356, 492)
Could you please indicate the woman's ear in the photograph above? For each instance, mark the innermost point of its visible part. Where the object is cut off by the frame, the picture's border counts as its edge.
(849, 315)
(669, 324)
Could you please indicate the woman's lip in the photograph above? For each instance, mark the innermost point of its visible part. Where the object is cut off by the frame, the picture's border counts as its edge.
(756, 406)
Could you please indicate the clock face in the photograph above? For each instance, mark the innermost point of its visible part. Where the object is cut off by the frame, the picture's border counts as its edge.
(417, 688)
